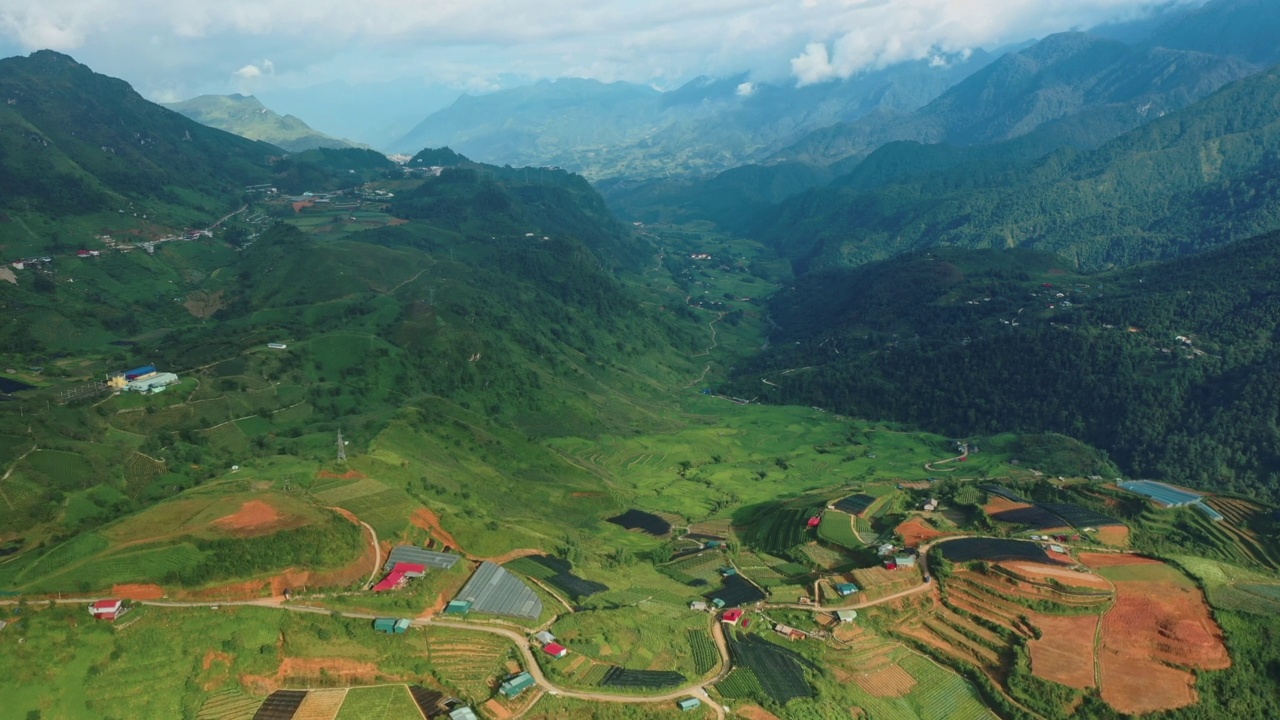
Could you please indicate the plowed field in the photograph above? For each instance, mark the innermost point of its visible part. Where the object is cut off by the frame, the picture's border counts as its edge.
(1159, 617)
(915, 531)
(1064, 652)
(256, 518)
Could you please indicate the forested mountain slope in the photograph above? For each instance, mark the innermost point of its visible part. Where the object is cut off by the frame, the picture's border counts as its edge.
(1168, 367)
(1182, 183)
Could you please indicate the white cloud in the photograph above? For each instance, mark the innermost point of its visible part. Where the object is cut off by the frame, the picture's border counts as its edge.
(746, 89)
(186, 43)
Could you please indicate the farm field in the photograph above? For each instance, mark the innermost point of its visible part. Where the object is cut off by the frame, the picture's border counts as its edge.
(646, 637)
(1064, 653)
(877, 582)
(1159, 617)
(468, 662)
(391, 702)
(915, 532)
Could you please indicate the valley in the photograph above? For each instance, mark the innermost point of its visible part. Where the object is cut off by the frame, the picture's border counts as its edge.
(922, 382)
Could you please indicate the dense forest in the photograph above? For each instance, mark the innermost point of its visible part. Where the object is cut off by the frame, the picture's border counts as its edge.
(1167, 367)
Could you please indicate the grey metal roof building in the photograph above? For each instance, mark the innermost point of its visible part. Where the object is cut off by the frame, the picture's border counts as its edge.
(418, 556)
(495, 591)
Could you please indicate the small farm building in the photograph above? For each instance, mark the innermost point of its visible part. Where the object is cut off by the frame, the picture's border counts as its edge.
(463, 713)
(814, 521)
(789, 632)
(845, 616)
(152, 383)
(555, 650)
(731, 616)
(277, 346)
(715, 543)
(138, 372)
(107, 609)
(728, 571)
(846, 589)
(889, 564)
(1057, 548)
(718, 602)
(905, 560)
(689, 704)
(698, 605)
(398, 575)
(391, 626)
(544, 637)
(457, 607)
(516, 684)
(885, 549)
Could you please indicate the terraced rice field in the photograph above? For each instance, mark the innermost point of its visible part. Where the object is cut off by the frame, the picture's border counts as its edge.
(321, 704)
(390, 702)
(469, 662)
(229, 705)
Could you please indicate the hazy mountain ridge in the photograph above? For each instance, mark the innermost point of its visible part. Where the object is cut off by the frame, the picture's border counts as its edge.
(1064, 75)
(707, 125)
(1184, 182)
(247, 117)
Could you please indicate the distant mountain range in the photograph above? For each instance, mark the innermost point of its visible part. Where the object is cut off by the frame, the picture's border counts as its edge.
(247, 117)
(705, 126)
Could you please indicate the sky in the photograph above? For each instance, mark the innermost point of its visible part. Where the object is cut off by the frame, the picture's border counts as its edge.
(171, 50)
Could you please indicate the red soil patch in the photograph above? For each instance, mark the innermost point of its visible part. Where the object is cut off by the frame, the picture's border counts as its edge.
(755, 712)
(344, 670)
(1064, 652)
(497, 710)
(255, 518)
(1113, 535)
(1043, 573)
(429, 521)
(515, 555)
(214, 656)
(348, 475)
(246, 590)
(138, 591)
(1097, 560)
(1153, 625)
(999, 505)
(915, 531)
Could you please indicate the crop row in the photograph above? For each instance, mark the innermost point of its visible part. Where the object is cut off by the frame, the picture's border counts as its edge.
(705, 655)
(740, 683)
(620, 677)
(780, 671)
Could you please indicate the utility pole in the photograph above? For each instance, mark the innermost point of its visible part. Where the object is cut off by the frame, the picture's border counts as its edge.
(342, 448)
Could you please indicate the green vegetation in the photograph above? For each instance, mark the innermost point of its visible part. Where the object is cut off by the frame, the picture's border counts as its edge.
(392, 702)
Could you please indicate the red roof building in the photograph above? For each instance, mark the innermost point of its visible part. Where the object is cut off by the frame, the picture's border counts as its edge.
(107, 609)
(399, 574)
(555, 650)
(731, 616)
(815, 521)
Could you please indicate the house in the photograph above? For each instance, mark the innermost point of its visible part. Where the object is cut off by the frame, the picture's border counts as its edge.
(544, 637)
(399, 574)
(107, 609)
(688, 704)
(789, 632)
(718, 602)
(731, 616)
(277, 346)
(698, 605)
(463, 713)
(885, 549)
(391, 626)
(889, 564)
(728, 571)
(516, 684)
(555, 650)
(814, 521)
(846, 589)
(845, 616)
(905, 560)
(458, 607)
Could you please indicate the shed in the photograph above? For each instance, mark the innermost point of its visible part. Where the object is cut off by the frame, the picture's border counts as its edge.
(698, 605)
(390, 582)
(391, 626)
(845, 616)
(814, 521)
(1057, 548)
(555, 650)
(516, 684)
(846, 589)
(728, 571)
(731, 616)
(458, 607)
(689, 704)
(904, 560)
(544, 637)
(463, 713)
(138, 372)
(715, 543)
(718, 602)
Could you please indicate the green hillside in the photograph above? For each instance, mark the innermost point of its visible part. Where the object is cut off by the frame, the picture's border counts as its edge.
(248, 118)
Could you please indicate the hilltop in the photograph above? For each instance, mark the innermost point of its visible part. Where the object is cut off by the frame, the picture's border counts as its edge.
(247, 117)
